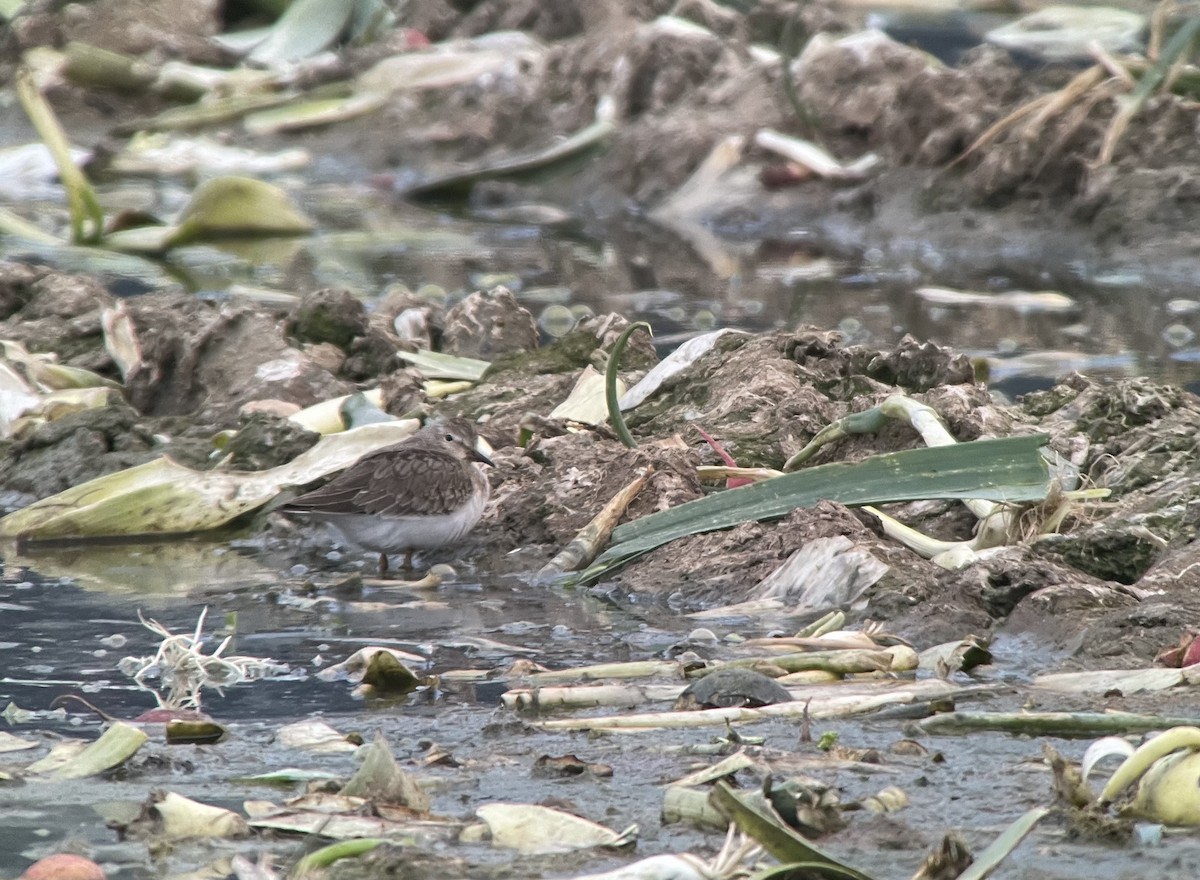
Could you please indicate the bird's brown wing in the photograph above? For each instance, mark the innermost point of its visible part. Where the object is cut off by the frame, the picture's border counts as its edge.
(398, 481)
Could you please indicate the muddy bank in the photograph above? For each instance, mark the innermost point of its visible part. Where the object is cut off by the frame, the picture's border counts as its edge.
(1113, 583)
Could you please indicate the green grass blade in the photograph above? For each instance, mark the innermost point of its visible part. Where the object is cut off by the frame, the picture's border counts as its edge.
(988, 860)
(87, 218)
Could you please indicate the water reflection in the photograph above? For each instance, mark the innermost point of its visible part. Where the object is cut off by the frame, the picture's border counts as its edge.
(73, 613)
(1123, 323)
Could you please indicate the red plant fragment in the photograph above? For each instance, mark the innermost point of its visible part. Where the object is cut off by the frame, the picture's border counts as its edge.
(732, 482)
(1186, 653)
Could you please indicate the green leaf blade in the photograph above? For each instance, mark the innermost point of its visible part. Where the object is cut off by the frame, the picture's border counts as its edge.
(1004, 470)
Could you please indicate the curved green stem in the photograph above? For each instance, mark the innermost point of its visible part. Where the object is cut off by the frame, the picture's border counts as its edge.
(610, 383)
(87, 217)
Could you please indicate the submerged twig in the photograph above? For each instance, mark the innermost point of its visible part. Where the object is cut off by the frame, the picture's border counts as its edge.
(1081, 724)
(827, 701)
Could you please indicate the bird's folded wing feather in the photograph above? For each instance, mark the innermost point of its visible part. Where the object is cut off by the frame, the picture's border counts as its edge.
(400, 482)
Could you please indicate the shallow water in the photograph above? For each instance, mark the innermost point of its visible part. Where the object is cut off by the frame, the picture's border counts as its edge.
(59, 639)
(1118, 320)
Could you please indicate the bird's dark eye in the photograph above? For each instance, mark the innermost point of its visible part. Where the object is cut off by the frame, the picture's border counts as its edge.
(449, 438)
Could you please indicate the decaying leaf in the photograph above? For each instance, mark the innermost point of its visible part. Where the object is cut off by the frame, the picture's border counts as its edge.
(169, 816)
(117, 745)
(379, 778)
(585, 404)
(313, 736)
(355, 667)
(227, 206)
(163, 497)
(529, 828)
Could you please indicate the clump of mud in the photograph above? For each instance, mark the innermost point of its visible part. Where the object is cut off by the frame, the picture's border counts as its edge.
(208, 367)
(765, 396)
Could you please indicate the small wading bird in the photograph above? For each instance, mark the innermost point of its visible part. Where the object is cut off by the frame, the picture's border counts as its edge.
(419, 494)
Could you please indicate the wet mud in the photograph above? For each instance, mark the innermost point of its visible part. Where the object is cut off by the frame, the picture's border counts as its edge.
(1113, 587)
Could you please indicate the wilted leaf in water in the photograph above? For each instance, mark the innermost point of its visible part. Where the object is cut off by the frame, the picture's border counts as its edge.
(10, 743)
(44, 371)
(287, 777)
(327, 416)
(1010, 469)
(118, 744)
(380, 779)
(888, 800)
(313, 736)
(1060, 32)
(434, 70)
(385, 674)
(17, 397)
(237, 206)
(813, 157)
(18, 227)
(310, 114)
(312, 815)
(175, 817)
(553, 158)
(327, 855)
(14, 714)
(950, 657)
(156, 154)
(436, 365)
(121, 339)
(529, 829)
(354, 667)
(1108, 681)
(60, 754)
(1000, 848)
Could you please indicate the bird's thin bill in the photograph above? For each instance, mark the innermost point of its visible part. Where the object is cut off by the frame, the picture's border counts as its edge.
(482, 452)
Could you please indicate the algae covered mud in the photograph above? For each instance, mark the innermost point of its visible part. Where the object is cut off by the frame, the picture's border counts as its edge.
(455, 218)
